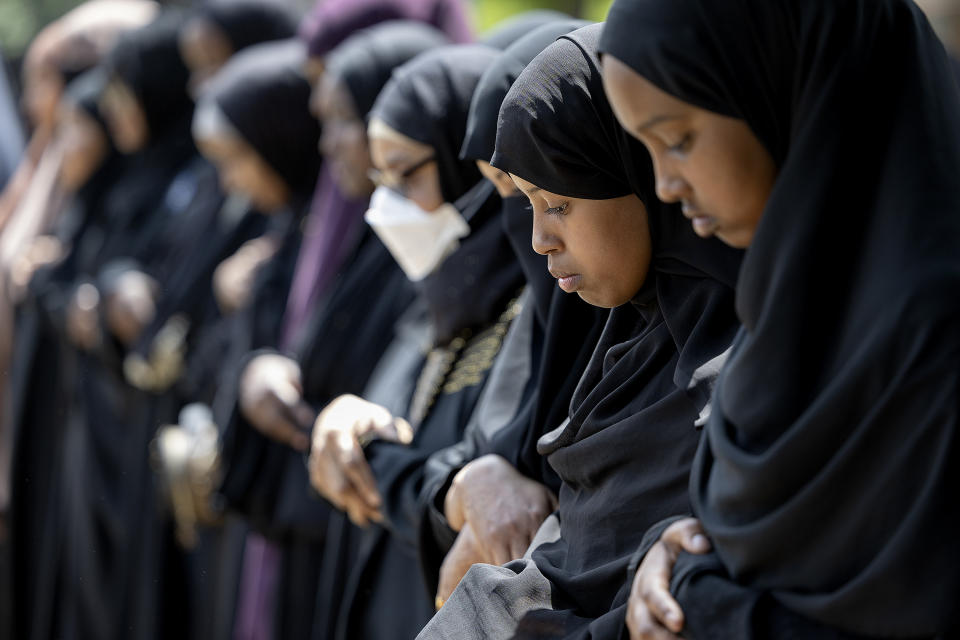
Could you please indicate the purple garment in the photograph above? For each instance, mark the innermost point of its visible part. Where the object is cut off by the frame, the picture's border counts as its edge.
(331, 231)
(332, 21)
(256, 602)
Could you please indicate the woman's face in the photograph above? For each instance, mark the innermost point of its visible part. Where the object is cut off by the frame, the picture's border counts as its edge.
(125, 117)
(598, 248)
(244, 172)
(204, 49)
(344, 138)
(712, 164)
(408, 167)
(84, 146)
(501, 180)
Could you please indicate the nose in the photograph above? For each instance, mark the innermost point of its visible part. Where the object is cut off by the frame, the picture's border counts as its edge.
(671, 187)
(544, 240)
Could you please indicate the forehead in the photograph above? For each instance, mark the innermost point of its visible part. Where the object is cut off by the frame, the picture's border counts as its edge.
(530, 189)
(390, 148)
(638, 101)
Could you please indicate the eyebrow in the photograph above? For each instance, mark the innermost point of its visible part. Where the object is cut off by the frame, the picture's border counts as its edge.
(655, 120)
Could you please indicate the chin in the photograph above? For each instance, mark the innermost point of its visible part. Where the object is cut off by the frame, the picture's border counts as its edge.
(595, 300)
(736, 239)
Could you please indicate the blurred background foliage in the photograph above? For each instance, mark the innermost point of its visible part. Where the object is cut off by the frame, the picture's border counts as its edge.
(21, 19)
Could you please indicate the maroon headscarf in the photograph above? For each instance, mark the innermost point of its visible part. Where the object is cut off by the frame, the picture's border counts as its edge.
(332, 21)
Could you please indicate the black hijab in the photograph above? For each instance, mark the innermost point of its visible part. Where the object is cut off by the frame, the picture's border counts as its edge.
(625, 452)
(507, 32)
(481, 137)
(148, 61)
(365, 60)
(428, 99)
(825, 474)
(265, 96)
(250, 22)
(497, 80)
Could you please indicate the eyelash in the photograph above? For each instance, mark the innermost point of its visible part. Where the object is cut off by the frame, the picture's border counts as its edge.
(681, 146)
(552, 211)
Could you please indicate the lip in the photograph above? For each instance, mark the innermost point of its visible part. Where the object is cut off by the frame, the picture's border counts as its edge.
(569, 282)
(704, 225)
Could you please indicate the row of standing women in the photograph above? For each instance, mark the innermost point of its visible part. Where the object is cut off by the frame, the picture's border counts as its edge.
(261, 392)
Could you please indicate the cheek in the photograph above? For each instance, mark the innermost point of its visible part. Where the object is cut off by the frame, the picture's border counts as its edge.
(620, 257)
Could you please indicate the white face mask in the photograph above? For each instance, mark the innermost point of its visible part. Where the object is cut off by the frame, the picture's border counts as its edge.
(419, 240)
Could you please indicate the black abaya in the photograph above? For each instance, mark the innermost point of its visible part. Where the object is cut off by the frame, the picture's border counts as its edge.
(824, 477)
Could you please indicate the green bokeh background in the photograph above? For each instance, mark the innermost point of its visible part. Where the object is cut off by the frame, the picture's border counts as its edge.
(21, 19)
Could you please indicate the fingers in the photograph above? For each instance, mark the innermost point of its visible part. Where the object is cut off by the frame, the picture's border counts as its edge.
(404, 430)
(274, 421)
(452, 505)
(329, 481)
(353, 463)
(687, 534)
(642, 625)
(462, 555)
(652, 586)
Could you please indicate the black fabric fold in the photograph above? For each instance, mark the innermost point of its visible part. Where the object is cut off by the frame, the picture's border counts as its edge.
(365, 60)
(265, 96)
(825, 474)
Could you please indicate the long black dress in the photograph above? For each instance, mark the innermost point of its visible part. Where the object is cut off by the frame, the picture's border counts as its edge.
(826, 478)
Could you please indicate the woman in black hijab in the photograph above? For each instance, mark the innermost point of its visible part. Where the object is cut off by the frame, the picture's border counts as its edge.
(555, 363)
(624, 452)
(355, 73)
(44, 370)
(112, 566)
(220, 28)
(416, 129)
(825, 478)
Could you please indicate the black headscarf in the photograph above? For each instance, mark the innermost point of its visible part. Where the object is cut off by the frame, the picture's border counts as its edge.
(507, 32)
(479, 144)
(428, 99)
(265, 96)
(497, 80)
(148, 61)
(624, 455)
(365, 60)
(250, 22)
(826, 475)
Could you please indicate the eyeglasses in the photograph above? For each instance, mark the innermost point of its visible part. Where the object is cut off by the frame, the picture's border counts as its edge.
(396, 180)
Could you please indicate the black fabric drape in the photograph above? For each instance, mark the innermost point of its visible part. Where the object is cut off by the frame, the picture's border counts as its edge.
(148, 61)
(263, 93)
(250, 22)
(507, 32)
(365, 60)
(824, 477)
(497, 80)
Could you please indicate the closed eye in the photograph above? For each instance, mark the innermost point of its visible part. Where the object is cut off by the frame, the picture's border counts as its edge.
(681, 146)
(557, 211)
